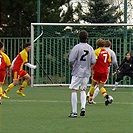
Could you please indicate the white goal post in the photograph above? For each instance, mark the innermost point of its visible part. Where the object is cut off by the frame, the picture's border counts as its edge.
(35, 38)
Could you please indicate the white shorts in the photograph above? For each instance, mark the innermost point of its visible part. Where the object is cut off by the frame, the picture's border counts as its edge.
(79, 83)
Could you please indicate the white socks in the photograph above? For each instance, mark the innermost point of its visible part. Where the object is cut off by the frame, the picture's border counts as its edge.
(96, 92)
(74, 102)
(116, 84)
(83, 99)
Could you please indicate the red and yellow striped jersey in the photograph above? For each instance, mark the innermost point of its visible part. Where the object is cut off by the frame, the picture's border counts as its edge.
(4, 61)
(103, 60)
(20, 60)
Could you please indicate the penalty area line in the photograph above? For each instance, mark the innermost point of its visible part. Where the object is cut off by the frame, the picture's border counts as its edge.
(58, 101)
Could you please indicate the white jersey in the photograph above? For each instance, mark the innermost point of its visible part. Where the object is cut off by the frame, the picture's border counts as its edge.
(113, 57)
(81, 58)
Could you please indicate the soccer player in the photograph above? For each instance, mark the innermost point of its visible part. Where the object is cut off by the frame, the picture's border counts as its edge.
(125, 69)
(100, 69)
(4, 63)
(18, 72)
(108, 45)
(81, 58)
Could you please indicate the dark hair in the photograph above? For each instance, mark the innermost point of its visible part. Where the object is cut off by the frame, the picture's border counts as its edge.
(1, 45)
(27, 44)
(128, 53)
(107, 43)
(100, 42)
(83, 35)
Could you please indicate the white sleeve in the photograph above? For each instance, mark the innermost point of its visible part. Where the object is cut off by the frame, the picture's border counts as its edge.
(30, 65)
(12, 65)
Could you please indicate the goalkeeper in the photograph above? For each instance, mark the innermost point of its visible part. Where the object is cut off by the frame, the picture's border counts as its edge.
(125, 69)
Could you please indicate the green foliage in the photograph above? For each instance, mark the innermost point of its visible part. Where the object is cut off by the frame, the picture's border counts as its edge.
(18, 15)
(101, 12)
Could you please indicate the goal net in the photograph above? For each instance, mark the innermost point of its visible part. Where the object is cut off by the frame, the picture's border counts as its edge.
(52, 42)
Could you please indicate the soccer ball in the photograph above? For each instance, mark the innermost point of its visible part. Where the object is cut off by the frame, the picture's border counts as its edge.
(110, 99)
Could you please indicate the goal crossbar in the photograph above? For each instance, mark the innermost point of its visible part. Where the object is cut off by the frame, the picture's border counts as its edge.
(78, 24)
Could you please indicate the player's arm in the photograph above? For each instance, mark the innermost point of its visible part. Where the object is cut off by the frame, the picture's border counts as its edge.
(72, 57)
(31, 66)
(118, 70)
(93, 58)
(114, 60)
(122, 63)
(12, 65)
(8, 64)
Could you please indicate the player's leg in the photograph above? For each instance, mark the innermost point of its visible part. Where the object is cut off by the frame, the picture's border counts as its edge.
(119, 78)
(0, 93)
(91, 92)
(74, 86)
(130, 75)
(74, 103)
(2, 78)
(103, 91)
(10, 86)
(27, 78)
(83, 95)
(95, 80)
(83, 102)
(96, 91)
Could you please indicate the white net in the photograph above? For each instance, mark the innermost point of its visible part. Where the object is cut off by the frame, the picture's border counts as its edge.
(51, 43)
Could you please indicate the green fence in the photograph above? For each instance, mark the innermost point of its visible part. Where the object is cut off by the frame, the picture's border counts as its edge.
(53, 54)
(12, 47)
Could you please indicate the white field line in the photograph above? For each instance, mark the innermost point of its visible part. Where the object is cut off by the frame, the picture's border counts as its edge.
(58, 101)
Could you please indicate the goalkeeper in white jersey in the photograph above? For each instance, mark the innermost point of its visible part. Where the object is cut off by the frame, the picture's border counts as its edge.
(108, 45)
(81, 59)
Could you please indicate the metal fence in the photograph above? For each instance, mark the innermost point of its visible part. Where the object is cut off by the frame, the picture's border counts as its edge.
(53, 57)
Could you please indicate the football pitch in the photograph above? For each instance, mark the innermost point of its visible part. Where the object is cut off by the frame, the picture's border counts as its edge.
(46, 110)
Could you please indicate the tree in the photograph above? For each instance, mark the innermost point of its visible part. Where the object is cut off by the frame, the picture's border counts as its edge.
(18, 15)
(101, 12)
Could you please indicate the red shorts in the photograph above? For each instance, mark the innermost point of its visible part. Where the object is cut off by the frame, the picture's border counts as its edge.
(19, 74)
(2, 76)
(100, 77)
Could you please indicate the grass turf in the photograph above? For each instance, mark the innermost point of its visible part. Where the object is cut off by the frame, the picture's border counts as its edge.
(46, 110)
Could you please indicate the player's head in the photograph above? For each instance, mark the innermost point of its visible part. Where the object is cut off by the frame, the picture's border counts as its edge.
(128, 55)
(27, 46)
(100, 42)
(108, 43)
(1, 46)
(83, 35)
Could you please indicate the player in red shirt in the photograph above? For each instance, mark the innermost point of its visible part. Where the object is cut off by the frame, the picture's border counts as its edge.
(100, 69)
(4, 63)
(18, 72)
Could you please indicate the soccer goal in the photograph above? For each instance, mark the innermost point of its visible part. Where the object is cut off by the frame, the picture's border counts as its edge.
(52, 42)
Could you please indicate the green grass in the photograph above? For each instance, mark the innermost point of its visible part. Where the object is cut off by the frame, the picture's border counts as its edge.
(46, 110)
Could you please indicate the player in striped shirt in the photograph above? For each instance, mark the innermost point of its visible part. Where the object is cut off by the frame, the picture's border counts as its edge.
(4, 63)
(81, 58)
(18, 71)
(100, 74)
